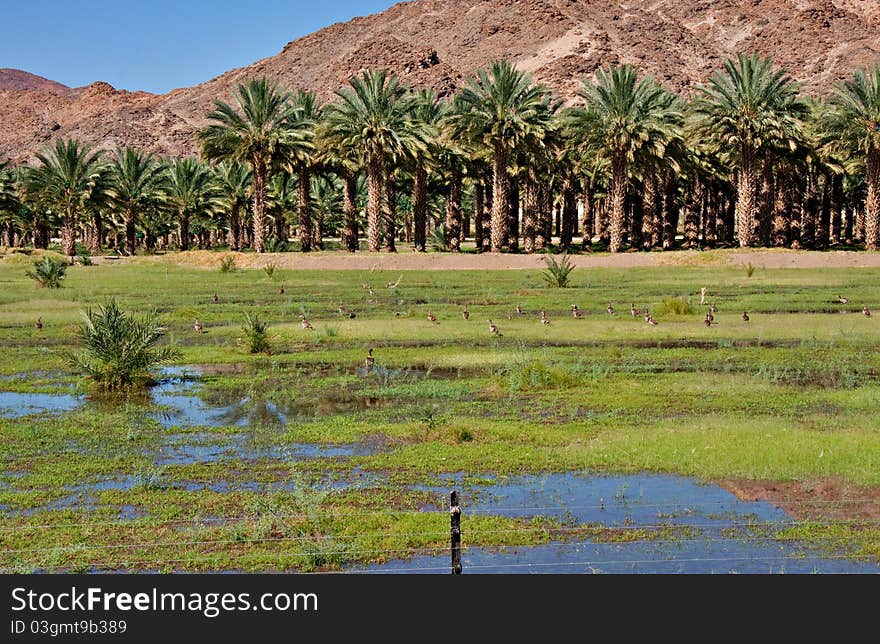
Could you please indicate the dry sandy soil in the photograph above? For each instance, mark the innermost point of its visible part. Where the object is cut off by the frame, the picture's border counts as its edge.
(407, 260)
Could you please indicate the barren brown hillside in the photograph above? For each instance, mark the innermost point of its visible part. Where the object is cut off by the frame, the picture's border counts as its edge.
(438, 43)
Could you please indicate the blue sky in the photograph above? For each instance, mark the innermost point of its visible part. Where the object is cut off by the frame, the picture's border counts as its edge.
(157, 45)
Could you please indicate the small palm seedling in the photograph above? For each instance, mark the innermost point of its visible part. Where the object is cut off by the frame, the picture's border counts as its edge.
(227, 264)
(119, 349)
(269, 269)
(256, 333)
(558, 273)
(750, 269)
(48, 272)
(85, 260)
(676, 306)
(438, 239)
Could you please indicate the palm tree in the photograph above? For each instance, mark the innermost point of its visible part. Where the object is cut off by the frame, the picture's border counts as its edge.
(192, 192)
(373, 115)
(301, 159)
(624, 118)
(234, 183)
(10, 205)
(136, 181)
(502, 110)
(68, 180)
(743, 110)
(854, 117)
(258, 133)
(429, 112)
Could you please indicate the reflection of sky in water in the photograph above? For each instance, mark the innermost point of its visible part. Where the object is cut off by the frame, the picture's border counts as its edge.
(16, 405)
(636, 501)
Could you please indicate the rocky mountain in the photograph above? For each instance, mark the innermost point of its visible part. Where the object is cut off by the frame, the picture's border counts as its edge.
(17, 80)
(439, 43)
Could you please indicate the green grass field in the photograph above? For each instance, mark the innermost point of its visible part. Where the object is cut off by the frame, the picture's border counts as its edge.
(790, 395)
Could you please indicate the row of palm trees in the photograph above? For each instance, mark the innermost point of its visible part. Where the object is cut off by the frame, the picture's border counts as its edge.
(630, 164)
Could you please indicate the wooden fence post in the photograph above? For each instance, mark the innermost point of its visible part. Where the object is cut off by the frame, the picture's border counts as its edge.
(455, 518)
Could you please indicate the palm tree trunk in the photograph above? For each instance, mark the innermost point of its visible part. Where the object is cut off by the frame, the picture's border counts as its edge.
(569, 214)
(259, 199)
(837, 200)
(711, 217)
(479, 214)
(318, 231)
(375, 175)
(693, 203)
(98, 225)
(390, 213)
(671, 211)
(233, 236)
(453, 212)
(349, 210)
(767, 201)
(618, 203)
(781, 212)
(637, 218)
(808, 212)
(872, 202)
(543, 221)
(745, 197)
(650, 223)
(823, 222)
(530, 208)
(9, 234)
(420, 208)
(183, 230)
(130, 236)
(588, 215)
(499, 200)
(68, 234)
(513, 208)
(304, 209)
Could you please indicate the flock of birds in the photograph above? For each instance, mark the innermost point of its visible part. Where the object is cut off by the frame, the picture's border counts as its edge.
(709, 320)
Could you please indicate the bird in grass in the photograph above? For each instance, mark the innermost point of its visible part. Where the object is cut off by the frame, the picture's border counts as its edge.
(710, 317)
(38, 324)
(304, 323)
(432, 318)
(633, 311)
(713, 308)
(493, 328)
(465, 313)
(746, 317)
(216, 298)
(648, 317)
(576, 312)
(369, 361)
(519, 310)
(708, 320)
(544, 319)
(610, 310)
(866, 312)
(652, 321)
(198, 327)
(281, 291)
(842, 300)
(344, 312)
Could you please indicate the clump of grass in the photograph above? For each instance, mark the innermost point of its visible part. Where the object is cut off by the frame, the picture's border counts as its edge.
(85, 260)
(326, 333)
(256, 333)
(150, 479)
(269, 269)
(675, 306)
(750, 269)
(227, 264)
(120, 349)
(463, 435)
(48, 272)
(558, 273)
(533, 373)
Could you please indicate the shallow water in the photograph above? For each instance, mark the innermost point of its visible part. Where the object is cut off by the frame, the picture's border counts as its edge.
(16, 405)
(724, 541)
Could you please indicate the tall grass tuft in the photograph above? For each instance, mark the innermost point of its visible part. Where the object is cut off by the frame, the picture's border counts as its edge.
(227, 264)
(675, 306)
(558, 273)
(256, 334)
(750, 269)
(269, 269)
(438, 239)
(48, 272)
(120, 349)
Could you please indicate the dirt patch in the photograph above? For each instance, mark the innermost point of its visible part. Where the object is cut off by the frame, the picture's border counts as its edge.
(410, 261)
(812, 500)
